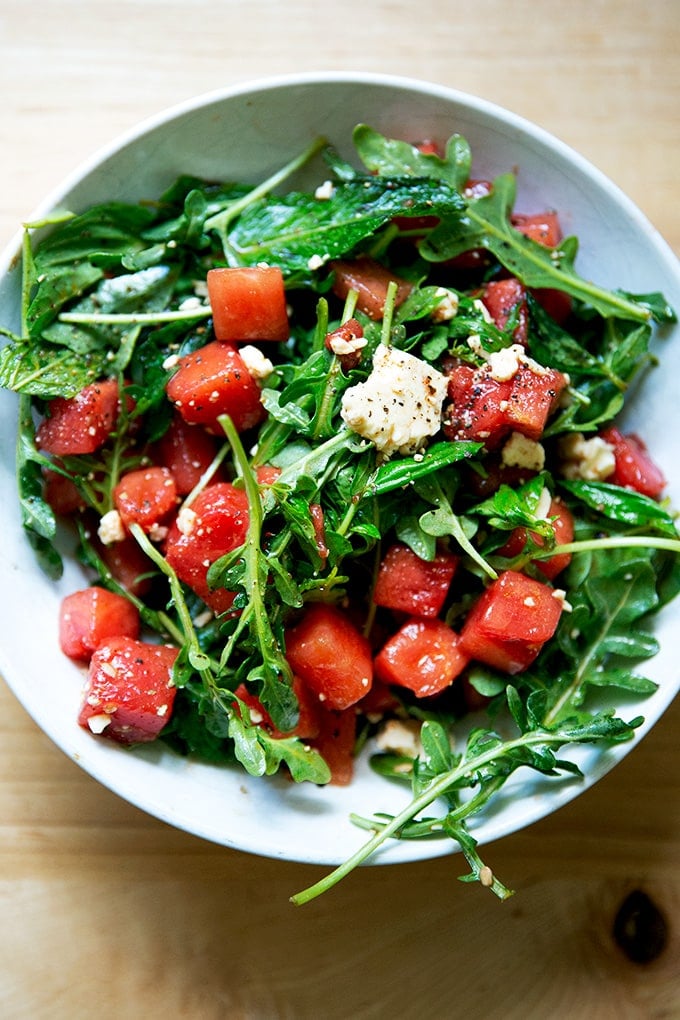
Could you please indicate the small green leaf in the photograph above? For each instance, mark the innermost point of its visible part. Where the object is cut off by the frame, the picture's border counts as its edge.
(393, 158)
(622, 505)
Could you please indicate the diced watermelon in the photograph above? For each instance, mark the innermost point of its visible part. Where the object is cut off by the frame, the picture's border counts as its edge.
(129, 695)
(425, 655)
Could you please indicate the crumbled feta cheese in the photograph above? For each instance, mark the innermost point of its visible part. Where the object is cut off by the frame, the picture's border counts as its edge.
(474, 342)
(543, 506)
(486, 876)
(186, 520)
(504, 364)
(257, 364)
(400, 404)
(448, 305)
(521, 452)
(400, 737)
(190, 304)
(590, 459)
(170, 362)
(98, 723)
(325, 191)
(111, 528)
(317, 261)
(479, 306)
(158, 532)
(346, 344)
(561, 596)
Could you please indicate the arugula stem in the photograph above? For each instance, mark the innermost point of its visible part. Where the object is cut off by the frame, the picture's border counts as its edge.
(436, 788)
(574, 284)
(611, 542)
(456, 530)
(221, 220)
(324, 416)
(336, 441)
(135, 318)
(252, 553)
(388, 313)
(187, 636)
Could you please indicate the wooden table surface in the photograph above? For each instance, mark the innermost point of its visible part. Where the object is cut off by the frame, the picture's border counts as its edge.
(107, 913)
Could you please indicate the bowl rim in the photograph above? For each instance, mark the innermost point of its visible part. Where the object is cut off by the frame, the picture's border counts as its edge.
(188, 105)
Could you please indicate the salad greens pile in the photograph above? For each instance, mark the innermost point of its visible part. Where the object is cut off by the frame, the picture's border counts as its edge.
(118, 289)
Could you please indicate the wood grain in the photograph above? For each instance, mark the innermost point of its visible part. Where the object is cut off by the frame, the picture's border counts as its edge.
(108, 912)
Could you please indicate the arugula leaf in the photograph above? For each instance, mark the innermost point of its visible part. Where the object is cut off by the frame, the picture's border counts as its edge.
(511, 508)
(486, 763)
(395, 474)
(486, 224)
(623, 506)
(76, 254)
(392, 158)
(37, 515)
(608, 612)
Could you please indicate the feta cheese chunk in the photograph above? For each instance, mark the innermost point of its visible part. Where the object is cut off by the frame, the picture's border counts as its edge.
(186, 520)
(448, 305)
(522, 452)
(111, 528)
(325, 191)
(589, 459)
(504, 364)
(400, 737)
(259, 366)
(342, 345)
(400, 404)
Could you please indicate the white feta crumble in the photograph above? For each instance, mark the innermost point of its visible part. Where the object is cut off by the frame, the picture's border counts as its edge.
(98, 723)
(158, 532)
(317, 261)
(170, 362)
(259, 366)
(474, 342)
(347, 345)
(504, 364)
(590, 459)
(190, 304)
(400, 737)
(561, 596)
(542, 511)
(399, 406)
(522, 452)
(111, 528)
(325, 191)
(447, 308)
(186, 520)
(479, 306)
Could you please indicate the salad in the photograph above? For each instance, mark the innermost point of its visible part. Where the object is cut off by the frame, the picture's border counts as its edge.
(346, 472)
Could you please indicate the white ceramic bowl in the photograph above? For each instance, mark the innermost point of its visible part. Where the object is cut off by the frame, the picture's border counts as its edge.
(245, 133)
